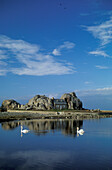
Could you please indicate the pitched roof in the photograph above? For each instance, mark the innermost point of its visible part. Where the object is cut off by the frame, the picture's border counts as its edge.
(60, 101)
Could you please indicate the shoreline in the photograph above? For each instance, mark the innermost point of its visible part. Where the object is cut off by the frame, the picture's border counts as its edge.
(75, 114)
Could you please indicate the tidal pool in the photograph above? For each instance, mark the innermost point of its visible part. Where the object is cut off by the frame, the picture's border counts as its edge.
(55, 144)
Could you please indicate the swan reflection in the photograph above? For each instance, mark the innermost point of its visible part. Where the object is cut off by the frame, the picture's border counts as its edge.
(80, 131)
(24, 131)
(43, 127)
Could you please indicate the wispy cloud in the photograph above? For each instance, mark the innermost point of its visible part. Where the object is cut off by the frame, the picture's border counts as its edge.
(87, 82)
(98, 91)
(99, 53)
(3, 72)
(103, 32)
(28, 59)
(96, 98)
(3, 55)
(84, 14)
(2, 63)
(65, 45)
(97, 13)
(101, 67)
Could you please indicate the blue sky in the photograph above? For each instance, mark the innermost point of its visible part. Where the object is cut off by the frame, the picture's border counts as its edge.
(55, 46)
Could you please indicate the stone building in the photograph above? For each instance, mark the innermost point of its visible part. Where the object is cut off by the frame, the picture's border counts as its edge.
(60, 104)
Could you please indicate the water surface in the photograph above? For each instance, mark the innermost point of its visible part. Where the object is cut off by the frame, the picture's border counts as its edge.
(55, 144)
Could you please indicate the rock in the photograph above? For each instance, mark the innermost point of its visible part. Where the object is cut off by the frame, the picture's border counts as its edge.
(97, 110)
(10, 104)
(72, 101)
(41, 102)
(2, 109)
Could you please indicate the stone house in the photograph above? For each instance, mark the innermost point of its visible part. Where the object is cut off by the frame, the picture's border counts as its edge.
(60, 104)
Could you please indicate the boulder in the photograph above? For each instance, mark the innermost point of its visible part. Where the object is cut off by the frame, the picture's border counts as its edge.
(2, 109)
(10, 104)
(41, 102)
(72, 101)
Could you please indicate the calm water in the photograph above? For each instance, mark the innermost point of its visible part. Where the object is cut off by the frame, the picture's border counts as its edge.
(56, 145)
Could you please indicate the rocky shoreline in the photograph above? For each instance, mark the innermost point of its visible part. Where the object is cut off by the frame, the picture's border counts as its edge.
(68, 106)
(26, 115)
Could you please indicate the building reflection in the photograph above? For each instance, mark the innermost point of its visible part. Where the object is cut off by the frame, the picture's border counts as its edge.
(42, 127)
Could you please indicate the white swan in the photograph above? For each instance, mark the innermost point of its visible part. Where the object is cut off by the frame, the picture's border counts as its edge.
(80, 132)
(23, 130)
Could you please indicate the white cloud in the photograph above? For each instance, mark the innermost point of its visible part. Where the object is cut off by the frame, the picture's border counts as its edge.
(87, 82)
(55, 95)
(98, 91)
(66, 45)
(27, 59)
(104, 89)
(103, 31)
(18, 45)
(56, 52)
(3, 72)
(99, 53)
(96, 98)
(101, 67)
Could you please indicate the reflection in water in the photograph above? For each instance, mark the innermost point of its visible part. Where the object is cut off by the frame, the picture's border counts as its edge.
(42, 127)
(24, 131)
(34, 159)
(54, 150)
(80, 131)
(10, 125)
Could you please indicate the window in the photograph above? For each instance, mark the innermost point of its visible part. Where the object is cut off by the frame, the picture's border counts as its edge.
(61, 107)
(57, 106)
